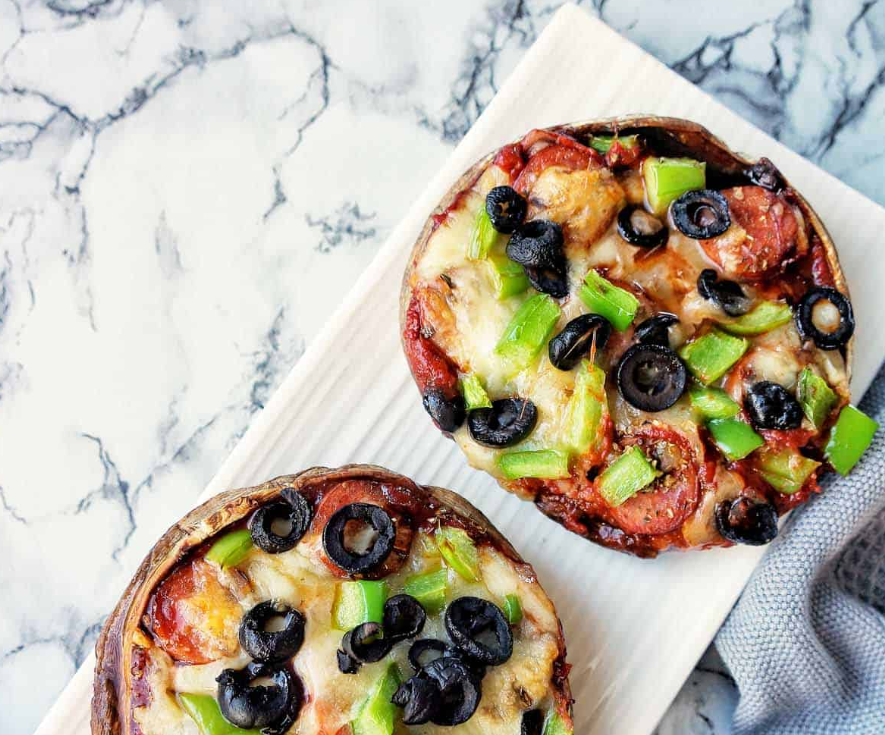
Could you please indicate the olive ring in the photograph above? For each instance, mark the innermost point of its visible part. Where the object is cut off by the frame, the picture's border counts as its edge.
(701, 214)
(272, 707)
(628, 230)
(805, 318)
(276, 645)
(651, 377)
(333, 537)
(468, 618)
(261, 526)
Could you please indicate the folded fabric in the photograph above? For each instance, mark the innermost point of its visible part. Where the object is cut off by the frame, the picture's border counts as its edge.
(806, 641)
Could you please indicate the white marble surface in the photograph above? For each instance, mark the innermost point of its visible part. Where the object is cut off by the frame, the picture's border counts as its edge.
(187, 188)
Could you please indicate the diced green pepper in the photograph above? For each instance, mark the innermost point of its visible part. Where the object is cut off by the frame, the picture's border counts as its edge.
(512, 609)
(358, 602)
(667, 179)
(376, 717)
(429, 589)
(849, 439)
(734, 438)
(785, 470)
(528, 331)
(508, 278)
(474, 394)
(483, 236)
(549, 464)
(815, 396)
(712, 403)
(231, 548)
(604, 298)
(766, 316)
(555, 725)
(458, 551)
(626, 476)
(603, 143)
(585, 409)
(709, 357)
(205, 712)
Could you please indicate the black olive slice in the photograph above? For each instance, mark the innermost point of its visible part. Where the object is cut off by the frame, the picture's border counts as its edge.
(701, 214)
(640, 228)
(460, 690)
(727, 295)
(420, 697)
(421, 652)
(549, 281)
(347, 664)
(506, 208)
(651, 377)
(366, 643)
(272, 707)
(302, 512)
(656, 329)
(532, 722)
(538, 244)
(404, 617)
(746, 521)
(764, 173)
(359, 563)
(277, 527)
(272, 645)
(508, 421)
(771, 406)
(574, 341)
(825, 340)
(480, 630)
(447, 413)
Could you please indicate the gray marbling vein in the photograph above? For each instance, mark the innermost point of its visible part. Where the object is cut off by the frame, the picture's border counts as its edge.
(176, 176)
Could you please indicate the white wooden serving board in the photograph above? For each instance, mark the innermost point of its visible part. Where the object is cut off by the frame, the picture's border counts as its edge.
(635, 628)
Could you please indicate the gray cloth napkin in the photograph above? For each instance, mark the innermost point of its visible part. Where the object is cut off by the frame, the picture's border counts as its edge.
(806, 641)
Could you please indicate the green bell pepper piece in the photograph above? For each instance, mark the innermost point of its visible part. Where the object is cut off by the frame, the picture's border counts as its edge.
(815, 396)
(512, 609)
(766, 316)
(604, 298)
(358, 602)
(712, 403)
(528, 331)
(205, 712)
(603, 143)
(785, 470)
(849, 439)
(667, 179)
(483, 236)
(734, 438)
(429, 589)
(555, 725)
(458, 551)
(474, 394)
(377, 714)
(586, 408)
(626, 476)
(231, 548)
(550, 464)
(508, 278)
(709, 357)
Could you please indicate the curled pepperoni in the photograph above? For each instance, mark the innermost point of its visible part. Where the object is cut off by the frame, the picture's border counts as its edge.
(665, 505)
(429, 365)
(510, 160)
(770, 230)
(554, 155)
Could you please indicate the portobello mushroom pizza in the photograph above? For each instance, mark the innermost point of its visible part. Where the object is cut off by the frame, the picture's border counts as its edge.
(333, 602)
(643, 332)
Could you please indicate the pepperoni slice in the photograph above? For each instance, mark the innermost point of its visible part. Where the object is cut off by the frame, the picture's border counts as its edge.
(510, 160)
(554, 155)
(770, 227)
(429, 365)
(672, 498)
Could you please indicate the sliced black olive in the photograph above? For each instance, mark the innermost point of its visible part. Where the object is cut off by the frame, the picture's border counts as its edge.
(420, 697)
(422, 652)
(574, 341)
(272, 707)
(347, 664)
(831, 339)
(746, 521)
(366, 643)
(277, 527)
(656, 329)
(506, 208)
(460, 690)
(508, 421)
(404, 617)
(771, 406)
(334, 542)
(480, 630)
(447, 413)
(302, 512)
(640, 228)
(537, 246)
(701, 214)
(651, 377)
(728, 295)
(532, 722)
(272, 645)
(764, 173)
(547, 280)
